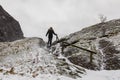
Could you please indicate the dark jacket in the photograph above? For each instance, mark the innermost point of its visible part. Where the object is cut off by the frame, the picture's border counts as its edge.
(50, 33)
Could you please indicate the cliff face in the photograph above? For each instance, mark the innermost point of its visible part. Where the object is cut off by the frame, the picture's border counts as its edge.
(9, 28)
(103, 39)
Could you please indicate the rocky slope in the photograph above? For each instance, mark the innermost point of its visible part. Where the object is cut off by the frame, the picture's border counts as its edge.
(102, 39)
(29, 57)
(9, 28)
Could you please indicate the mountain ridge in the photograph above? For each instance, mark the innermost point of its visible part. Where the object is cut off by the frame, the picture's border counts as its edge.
(92, 38)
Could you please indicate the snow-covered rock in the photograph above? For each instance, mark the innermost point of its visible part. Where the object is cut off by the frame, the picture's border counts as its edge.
(30, 58)
(103, 39)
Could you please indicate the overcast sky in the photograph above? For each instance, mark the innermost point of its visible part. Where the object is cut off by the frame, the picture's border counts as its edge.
(65, 16)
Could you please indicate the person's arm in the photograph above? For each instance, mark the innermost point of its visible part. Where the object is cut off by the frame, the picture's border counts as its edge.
(54, 33)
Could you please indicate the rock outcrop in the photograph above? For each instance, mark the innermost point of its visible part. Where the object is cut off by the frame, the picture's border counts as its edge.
(103, 39)
(9, 28)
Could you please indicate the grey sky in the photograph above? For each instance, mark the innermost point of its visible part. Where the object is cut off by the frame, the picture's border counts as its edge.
(66, 16)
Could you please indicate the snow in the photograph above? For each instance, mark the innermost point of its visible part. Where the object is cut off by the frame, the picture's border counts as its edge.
(40, 77)
(29, 61)
(91, 75)
(35, 63)
(102, 75)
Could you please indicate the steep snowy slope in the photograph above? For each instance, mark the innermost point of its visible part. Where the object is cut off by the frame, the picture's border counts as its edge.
(29, 58)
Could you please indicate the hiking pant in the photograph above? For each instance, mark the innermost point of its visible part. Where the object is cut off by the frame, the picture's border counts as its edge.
(49, 41)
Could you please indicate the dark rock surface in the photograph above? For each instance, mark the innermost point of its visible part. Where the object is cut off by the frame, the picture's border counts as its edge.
(10, 29)
(103, 39)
